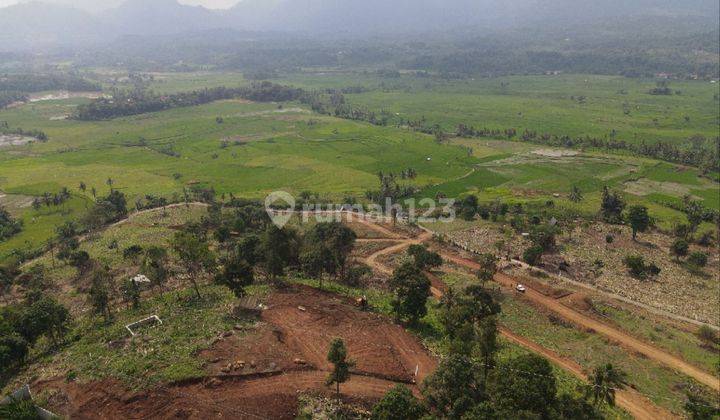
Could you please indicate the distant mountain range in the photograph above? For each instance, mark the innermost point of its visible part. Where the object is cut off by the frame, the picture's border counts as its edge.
(34, 25)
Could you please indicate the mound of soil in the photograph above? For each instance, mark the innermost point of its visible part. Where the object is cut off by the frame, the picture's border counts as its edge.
(311, 319)
(283, 355)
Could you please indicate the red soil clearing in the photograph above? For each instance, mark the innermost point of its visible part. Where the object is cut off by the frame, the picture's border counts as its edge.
(298, 326)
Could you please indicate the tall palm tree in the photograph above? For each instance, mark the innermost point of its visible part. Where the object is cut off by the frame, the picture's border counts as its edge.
(604, 381)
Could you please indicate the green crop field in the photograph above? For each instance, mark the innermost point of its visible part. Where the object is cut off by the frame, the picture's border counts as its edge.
(259, 148)
(574, 105)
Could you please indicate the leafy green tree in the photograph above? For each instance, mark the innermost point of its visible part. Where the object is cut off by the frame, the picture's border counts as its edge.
(411, 289)
(569, 407)
(99, 293)
(398, 404)
(248, 249)
(454, 388)
(131, 292)
(66, 231)
(6, 280)
(682, 231)
(639, 219)
(35, 280)
(107, 209)
(81, 261)
(612, 206)
(279, 250)
(524, 383)
(236, 274)
(8, 225)
(195, 255)
(330, 245)
(544, 237)
(488, 267)
(315, 258)
(708, 336)
(468, 320)
(337, 355)
(533, 254)
(695, 213)
(424, 258)
(638, 269)
(154, 265)
(44, 316)
(13, 349)
(604, 381)
(483, 410)
(469, 207)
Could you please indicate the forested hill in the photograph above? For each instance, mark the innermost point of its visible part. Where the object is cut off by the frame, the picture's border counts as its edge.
(454, 37)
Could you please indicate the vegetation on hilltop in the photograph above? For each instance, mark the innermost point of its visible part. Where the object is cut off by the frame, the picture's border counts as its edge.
(125, 103)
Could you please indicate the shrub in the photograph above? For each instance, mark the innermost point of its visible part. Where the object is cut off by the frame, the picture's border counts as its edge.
(636, 265)
(132, 252)
(679, 248)
(706, 239)
(638, 269)
(532, 255)
(652, 269)
(356, 274)
(19, 409)
(398, 404)
(707, 335)
(698, 259)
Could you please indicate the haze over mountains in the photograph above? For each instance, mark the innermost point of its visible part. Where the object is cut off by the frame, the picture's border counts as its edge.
(36, 24)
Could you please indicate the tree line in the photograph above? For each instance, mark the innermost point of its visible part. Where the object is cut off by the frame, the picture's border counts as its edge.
(34, 133)
(698, 151)
(15, 87)
(138, 101)
(10, 97)
(9, 226)
(29, 82)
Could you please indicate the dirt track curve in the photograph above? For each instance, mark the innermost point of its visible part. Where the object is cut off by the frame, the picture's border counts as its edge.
(636, 404)
(625, 340)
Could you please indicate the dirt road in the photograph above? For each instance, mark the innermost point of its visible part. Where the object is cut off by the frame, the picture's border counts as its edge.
(636, 404)
(625, 340)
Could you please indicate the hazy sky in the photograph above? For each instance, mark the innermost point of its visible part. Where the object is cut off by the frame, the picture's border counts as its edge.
(96, 5)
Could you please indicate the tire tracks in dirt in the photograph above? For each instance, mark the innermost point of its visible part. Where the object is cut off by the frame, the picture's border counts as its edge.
(616, 336)
(637, 405)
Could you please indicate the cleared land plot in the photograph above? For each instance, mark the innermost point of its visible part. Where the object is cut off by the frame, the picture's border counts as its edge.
(268, 387)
